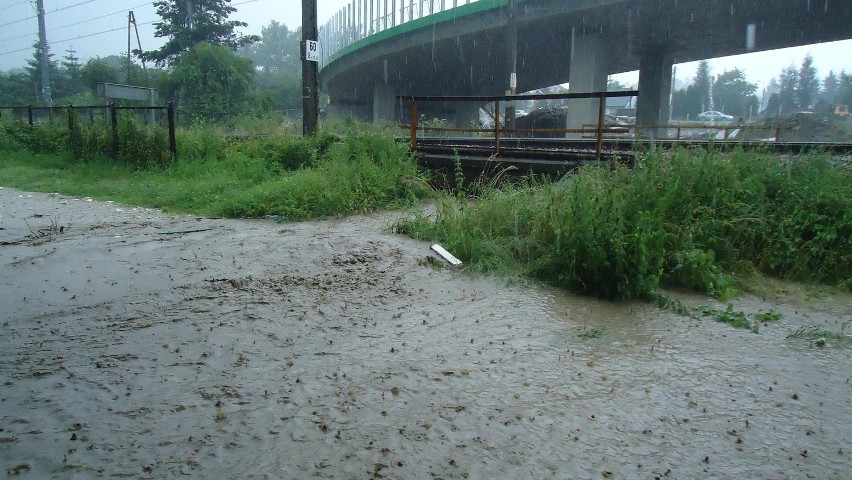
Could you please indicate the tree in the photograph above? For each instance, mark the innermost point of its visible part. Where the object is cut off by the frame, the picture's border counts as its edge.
(33, 68)
(830, 86)
(98, 69)
(278, 49)
(16, 89)
(808, 87)
(788, 83)
(733, 94)
(686, 102)
(616, 86)
(188, 22)
(69, 81)
(702, 84)
(773, 105)
(844, 91)
(210, 82)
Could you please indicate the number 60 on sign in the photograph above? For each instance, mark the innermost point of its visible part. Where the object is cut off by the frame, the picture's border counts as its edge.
(311, 51)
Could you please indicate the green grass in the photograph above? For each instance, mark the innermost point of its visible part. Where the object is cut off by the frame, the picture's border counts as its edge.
(690, 220)
(285, 177)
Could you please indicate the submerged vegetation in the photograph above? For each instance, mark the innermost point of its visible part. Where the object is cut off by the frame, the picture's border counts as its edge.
(693, 219)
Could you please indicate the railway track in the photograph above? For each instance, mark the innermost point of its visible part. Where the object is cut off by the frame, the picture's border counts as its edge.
(558, 155)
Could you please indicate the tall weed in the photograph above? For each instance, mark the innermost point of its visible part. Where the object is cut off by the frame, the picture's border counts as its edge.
(689, 220)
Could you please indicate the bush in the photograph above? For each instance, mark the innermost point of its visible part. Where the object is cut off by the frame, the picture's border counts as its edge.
(686, 221)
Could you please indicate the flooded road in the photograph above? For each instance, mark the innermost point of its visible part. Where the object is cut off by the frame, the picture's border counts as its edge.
(142, 344)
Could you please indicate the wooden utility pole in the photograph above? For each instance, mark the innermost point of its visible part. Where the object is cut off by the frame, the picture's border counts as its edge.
(44, 56)
(310, 63)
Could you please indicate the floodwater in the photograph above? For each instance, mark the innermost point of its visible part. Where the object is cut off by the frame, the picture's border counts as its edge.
(147, 345)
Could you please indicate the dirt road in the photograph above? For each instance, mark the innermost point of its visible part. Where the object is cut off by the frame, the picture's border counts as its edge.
(147, 345)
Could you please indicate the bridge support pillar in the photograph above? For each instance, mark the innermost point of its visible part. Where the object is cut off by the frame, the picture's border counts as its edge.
(384, 103)
(655, 83)
(588, 73)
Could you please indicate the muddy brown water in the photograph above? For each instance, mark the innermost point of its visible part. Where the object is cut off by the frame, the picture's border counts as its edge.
(146, 345)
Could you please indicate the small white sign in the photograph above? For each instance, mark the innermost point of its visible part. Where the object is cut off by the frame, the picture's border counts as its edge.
(513, 81)
(311, 51)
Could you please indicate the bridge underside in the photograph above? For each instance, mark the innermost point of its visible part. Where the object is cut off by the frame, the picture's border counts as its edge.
(474, 55)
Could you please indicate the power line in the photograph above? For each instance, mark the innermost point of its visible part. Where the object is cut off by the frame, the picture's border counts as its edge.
(99, 33)
(69, 6)
(18, 21)
(120, 12)
(76, 38)
(7, 7)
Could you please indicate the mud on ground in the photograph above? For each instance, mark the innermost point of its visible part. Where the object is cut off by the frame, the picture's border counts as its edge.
(146, 345)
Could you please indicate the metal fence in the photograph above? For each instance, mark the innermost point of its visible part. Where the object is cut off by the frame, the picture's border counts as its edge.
(106, 115)
(362, 18)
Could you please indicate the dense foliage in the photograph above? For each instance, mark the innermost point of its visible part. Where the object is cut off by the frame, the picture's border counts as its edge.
(278, 175)
(212, 76)
(688, 221)
(188, 23)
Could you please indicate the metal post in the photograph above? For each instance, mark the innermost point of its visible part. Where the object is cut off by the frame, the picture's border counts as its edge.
(497, 127)
(172, 140)
(601, 111)
(113, 116)
(310, 95)
(413, 142)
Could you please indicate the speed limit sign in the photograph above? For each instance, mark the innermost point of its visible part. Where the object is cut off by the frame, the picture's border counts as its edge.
(311, 51)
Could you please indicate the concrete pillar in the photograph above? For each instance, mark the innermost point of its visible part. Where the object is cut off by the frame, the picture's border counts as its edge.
(655, 83)
(587, 73)
(384, 104)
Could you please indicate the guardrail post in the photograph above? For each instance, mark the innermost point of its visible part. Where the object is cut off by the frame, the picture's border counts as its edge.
(497, 127)
(413, 141)
(113, 115)
(172, 140)
(601, 109)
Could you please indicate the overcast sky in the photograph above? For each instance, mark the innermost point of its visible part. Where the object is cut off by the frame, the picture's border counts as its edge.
(99, 28)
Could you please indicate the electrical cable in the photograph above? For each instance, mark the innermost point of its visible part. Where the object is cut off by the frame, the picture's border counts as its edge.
(7, 7)
(79, 23)
(68, 7)
(77, 38)
(18, 21)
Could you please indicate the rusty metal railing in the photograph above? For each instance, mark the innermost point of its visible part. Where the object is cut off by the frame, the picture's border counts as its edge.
(498, 130)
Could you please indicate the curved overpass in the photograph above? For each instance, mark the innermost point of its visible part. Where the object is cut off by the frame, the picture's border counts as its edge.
(398, 48)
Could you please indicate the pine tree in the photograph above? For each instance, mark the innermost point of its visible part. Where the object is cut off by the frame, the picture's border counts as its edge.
(68, 82)
(33, 69)
(702, 84)
(830, 86)
(788, 83)
(188, 22)
(808, 87)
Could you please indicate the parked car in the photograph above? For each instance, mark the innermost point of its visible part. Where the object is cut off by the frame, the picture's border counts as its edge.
(714, 116)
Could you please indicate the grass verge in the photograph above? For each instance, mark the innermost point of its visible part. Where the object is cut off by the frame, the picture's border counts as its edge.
(689, 220)
(284, 177)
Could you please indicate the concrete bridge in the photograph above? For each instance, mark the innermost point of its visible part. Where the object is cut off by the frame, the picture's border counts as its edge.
(375, 50)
